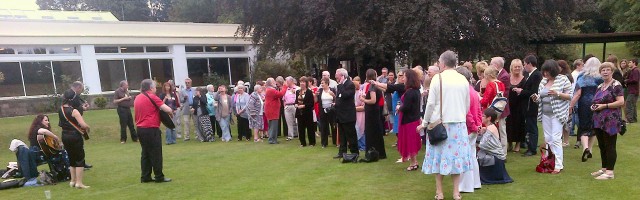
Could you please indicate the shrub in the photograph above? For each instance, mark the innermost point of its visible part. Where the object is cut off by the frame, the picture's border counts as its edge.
(101, 102)
(270, 68)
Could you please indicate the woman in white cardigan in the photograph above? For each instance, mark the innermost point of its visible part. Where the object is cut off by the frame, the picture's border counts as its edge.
(451, 156)
(553, 98)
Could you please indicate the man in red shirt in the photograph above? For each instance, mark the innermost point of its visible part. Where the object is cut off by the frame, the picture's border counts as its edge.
(149, 134)
(272, 108)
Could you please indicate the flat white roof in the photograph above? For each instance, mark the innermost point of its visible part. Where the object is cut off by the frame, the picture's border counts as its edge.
(20, 32)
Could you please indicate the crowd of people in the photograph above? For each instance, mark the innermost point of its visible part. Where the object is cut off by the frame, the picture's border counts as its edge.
(357, 112)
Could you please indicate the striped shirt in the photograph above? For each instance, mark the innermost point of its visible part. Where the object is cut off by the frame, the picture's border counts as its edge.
(560, 106)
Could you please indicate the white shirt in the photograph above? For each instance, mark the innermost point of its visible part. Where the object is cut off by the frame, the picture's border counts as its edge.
(455, 96)
(333, 84)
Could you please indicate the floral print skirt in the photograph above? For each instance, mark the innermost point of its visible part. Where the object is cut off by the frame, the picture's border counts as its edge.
(451, 156)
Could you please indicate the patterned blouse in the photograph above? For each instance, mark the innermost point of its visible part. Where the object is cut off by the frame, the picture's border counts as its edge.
(560, 106)
(608, 119)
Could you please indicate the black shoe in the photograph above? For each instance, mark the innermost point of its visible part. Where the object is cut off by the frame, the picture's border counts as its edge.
(337, 156)
(88, 166)
(163, 180)
(527, 154)
(146, 180)
(585, 155)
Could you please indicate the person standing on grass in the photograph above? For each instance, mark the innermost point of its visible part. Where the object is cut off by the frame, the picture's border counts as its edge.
(304, 113)
(359, 114)
(586, 87)
(148, 125)
(272, 108)
(470, 180)
(409, 141)
(289, 99)
(78, 103)
(73, 127)
(607, 119)
(223, 112)
(186, 99)
(325, 97)
(631, 80)
(240, 100)
(255, 110)
(211, 107)
(530, 87)
(505, 78)
(373, 121)
(170, 99)
(123, 99)
(554, 94)
(451, 156)
(346, 113)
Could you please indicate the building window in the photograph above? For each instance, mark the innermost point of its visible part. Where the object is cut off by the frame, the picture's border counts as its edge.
(161, 69)
(7, 50)
(193, 49)
(131, 49)
(37, 78)
(234, 48)
(214, 48)
(31, 50)
(12, 84)
(196, 68)
(157, 49)
(66, 72)
(62, 50)
(220, 66)
(106, 49)
(239, 69)
(136, 70)
(111, 73)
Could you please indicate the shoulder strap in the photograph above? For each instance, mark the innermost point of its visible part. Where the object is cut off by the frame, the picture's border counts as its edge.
(76, 126)
(440, 78)
(154, 103)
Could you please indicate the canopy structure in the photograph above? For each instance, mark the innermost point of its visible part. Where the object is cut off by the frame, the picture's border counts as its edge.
(603, 38)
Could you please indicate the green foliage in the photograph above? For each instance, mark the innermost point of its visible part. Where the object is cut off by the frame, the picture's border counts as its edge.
(205, 11)
(624, 18)
(422, 28)
(100, 101)
(215, 79)
(124, 10)
(271, 68)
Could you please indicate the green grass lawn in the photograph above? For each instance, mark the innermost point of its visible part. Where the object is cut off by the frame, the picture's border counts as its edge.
(617, 48)
(247, 170)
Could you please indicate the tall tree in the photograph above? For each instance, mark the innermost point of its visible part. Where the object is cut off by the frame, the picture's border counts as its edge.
(625, 18)
(160, 10)
(418, 28)
(199, 11)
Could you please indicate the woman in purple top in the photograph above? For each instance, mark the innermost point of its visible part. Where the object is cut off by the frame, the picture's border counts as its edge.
(607, 119)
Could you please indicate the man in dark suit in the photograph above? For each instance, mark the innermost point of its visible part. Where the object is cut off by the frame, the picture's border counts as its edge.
(346, 113)
(529, 89)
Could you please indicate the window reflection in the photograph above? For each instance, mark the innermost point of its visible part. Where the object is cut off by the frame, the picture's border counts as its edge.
(38, 79)
(12, 84)
(111, 73)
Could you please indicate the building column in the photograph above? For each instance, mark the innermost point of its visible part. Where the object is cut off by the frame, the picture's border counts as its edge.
(89, 66)
(180, 71)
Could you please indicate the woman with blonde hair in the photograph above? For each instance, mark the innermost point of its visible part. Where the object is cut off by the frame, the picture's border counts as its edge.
(515, 121)
(493, 87)
(480, 84)
(586, 86)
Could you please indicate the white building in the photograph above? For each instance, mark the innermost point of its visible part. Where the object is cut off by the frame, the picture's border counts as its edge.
(34, 54)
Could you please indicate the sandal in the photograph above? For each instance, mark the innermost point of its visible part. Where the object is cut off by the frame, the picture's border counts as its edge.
(597, 173)
(604, 176)
(413, 168)
(585, 154)
(439, 197)
(457, 197)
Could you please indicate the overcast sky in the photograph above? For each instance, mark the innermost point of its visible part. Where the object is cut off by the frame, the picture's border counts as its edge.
(19, 4)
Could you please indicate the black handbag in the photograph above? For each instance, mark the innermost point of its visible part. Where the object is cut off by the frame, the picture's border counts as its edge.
(436, 130)
(372, 155)
(165, 118)
(623, 128)
(350, 157)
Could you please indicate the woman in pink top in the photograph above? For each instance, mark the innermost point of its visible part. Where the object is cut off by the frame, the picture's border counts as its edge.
(470, 180)
(359, 114)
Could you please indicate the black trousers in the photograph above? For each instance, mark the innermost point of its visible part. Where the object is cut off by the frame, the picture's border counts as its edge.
(327, 125)
(215, 126)
(126, 120)
(347, 134)
(243, 128)
(607, 144)
(531, 127)
(282, 124)
(151, 159)
(305, 128)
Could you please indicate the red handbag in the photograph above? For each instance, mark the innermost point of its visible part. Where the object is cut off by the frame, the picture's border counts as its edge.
(547, 162)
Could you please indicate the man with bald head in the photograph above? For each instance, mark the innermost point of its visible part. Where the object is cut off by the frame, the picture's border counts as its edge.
(332, 83)
(505, 78)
